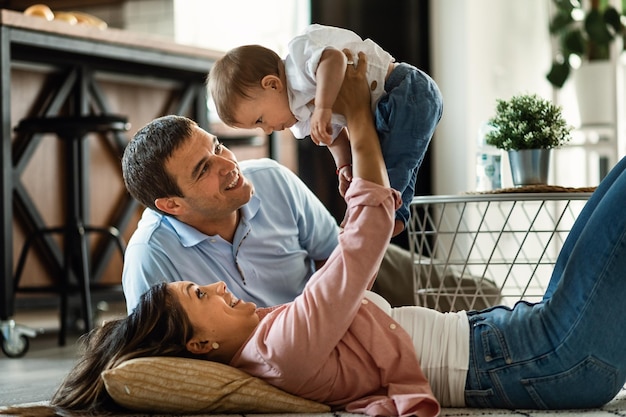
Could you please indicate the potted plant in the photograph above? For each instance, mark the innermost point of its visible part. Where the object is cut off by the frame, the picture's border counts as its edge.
(584, 39)
(528, 127)
(583, 34)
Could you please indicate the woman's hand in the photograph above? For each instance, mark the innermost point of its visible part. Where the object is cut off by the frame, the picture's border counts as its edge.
(354, 96)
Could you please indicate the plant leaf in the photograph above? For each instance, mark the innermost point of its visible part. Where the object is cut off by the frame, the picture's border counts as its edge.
(612, 18)
(560, 21)
(558, 73)
(597, 29)
(573, 42)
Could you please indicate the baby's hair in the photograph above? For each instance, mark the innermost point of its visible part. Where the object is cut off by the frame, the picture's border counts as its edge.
(236, 74)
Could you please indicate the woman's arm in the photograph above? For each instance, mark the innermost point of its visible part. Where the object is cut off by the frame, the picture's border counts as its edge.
(353, 102)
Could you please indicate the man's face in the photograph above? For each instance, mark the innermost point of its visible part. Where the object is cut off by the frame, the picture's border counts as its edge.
(210, 180)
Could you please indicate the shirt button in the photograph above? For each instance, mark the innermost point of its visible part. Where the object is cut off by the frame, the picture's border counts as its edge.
(213, 240)
(393, 326)
(364, 301)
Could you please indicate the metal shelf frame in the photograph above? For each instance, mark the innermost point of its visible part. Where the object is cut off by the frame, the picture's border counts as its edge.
(509, 241)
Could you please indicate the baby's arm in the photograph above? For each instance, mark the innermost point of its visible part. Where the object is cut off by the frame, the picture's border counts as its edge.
(329, 77)
(340, 150)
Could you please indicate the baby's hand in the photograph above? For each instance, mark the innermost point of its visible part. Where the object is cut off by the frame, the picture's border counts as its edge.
(345, 178)
(321, 130)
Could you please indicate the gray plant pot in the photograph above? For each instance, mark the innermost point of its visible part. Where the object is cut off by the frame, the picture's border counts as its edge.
(530, 166)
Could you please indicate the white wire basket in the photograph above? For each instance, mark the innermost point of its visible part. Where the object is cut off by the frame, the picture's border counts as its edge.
(477, 250)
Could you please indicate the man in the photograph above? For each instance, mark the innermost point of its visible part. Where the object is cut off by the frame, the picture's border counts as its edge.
(252, 224)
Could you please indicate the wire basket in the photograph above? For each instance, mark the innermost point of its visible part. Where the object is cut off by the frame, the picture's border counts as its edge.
(474, 251)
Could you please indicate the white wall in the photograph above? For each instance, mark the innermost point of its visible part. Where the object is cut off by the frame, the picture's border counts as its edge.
(149, 16)
(482, 50)
(222, 25)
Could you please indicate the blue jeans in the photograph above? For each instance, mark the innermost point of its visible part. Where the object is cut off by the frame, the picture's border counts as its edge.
(406, 118)
(569, 350)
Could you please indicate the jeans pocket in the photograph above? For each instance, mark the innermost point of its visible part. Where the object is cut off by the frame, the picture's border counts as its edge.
(590, 383)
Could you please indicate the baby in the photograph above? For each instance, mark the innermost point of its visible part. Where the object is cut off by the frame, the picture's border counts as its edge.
(253, 87)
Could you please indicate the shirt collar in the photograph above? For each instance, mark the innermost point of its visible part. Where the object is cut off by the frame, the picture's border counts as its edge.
(190, 236)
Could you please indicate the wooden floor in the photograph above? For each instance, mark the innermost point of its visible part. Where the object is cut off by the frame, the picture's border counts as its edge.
(35, 376)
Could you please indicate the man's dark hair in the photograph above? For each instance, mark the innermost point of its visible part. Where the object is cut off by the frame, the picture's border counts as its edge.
(143, 163)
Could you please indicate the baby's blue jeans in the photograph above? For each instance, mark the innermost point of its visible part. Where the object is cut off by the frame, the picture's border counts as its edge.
(569, 350)
(406, 118)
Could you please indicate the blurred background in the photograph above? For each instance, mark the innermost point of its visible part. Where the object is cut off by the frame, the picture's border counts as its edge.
(476, 51)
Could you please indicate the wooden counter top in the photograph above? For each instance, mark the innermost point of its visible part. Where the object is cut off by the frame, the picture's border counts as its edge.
(110, 35)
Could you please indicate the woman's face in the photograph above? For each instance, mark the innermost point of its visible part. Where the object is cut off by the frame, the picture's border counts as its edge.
(215, 314)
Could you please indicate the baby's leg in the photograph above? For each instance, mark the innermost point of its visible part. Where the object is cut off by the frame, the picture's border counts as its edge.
(406, 118)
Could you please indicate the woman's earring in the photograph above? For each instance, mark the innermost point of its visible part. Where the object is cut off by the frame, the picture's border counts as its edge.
(215, 345)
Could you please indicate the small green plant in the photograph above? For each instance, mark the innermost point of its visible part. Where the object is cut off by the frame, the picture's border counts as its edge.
(528, 121)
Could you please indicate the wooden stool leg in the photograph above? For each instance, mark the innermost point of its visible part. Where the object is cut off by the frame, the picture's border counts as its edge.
(64, 285)
(83, 278)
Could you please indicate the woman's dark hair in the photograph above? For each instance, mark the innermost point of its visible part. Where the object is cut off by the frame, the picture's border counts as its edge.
(143, 163)
(157, 327)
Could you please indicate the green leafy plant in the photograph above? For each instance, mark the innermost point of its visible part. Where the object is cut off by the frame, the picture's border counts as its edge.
(527, 121)
(584, 33)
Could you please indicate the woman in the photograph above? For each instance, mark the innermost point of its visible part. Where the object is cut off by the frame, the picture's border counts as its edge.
(563, 352)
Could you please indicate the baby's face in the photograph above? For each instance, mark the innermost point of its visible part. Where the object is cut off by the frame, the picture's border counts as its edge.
(268, 109)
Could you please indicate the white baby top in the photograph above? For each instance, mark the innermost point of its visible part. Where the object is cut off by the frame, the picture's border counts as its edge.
(301, 63)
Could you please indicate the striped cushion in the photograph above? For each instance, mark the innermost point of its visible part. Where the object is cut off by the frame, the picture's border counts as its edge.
(178, 385)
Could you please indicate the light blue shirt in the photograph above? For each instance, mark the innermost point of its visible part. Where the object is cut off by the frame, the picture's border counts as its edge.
(283, 229)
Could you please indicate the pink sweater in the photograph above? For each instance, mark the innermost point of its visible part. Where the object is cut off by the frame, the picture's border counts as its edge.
(332, 345)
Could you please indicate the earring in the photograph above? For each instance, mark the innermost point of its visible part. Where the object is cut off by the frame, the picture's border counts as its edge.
(215, 345)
